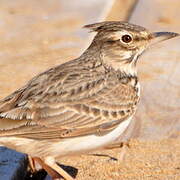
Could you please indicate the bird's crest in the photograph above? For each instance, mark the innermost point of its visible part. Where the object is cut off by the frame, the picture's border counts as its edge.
(113, 26)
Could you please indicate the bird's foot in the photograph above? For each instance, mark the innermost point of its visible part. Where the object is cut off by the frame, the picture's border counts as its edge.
(56, 172)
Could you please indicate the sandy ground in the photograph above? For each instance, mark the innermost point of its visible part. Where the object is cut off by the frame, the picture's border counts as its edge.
(150, 160)
(34, 37)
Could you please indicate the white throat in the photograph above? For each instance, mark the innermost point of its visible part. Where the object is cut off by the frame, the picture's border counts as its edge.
(125, 63)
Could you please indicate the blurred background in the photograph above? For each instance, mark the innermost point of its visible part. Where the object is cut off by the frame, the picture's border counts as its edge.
(36, 35)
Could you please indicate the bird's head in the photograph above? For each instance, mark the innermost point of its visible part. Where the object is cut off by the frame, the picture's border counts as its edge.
(121, 43)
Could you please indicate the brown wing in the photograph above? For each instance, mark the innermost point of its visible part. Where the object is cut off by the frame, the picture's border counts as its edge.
(69, 101)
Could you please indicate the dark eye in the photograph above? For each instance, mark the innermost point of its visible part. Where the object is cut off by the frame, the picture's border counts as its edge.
(126, 38)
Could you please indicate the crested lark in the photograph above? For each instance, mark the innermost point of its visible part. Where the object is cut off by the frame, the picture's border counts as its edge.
(83, 104)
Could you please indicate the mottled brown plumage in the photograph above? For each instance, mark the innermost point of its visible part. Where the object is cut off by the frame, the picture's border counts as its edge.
(73, 101)
(90, 96)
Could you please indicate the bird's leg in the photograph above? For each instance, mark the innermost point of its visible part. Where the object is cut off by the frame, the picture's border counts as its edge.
(117, 145)
(31, 164)
(124, 147)
(50, 162)
(52, 169)
(114, 146)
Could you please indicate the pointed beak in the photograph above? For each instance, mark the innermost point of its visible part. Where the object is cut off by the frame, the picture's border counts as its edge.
(162, 36)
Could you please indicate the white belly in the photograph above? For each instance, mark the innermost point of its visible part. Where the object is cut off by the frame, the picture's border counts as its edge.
(86, 143)
(63, 147)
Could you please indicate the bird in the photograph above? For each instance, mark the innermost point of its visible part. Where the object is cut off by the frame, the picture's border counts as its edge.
(81, 105)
